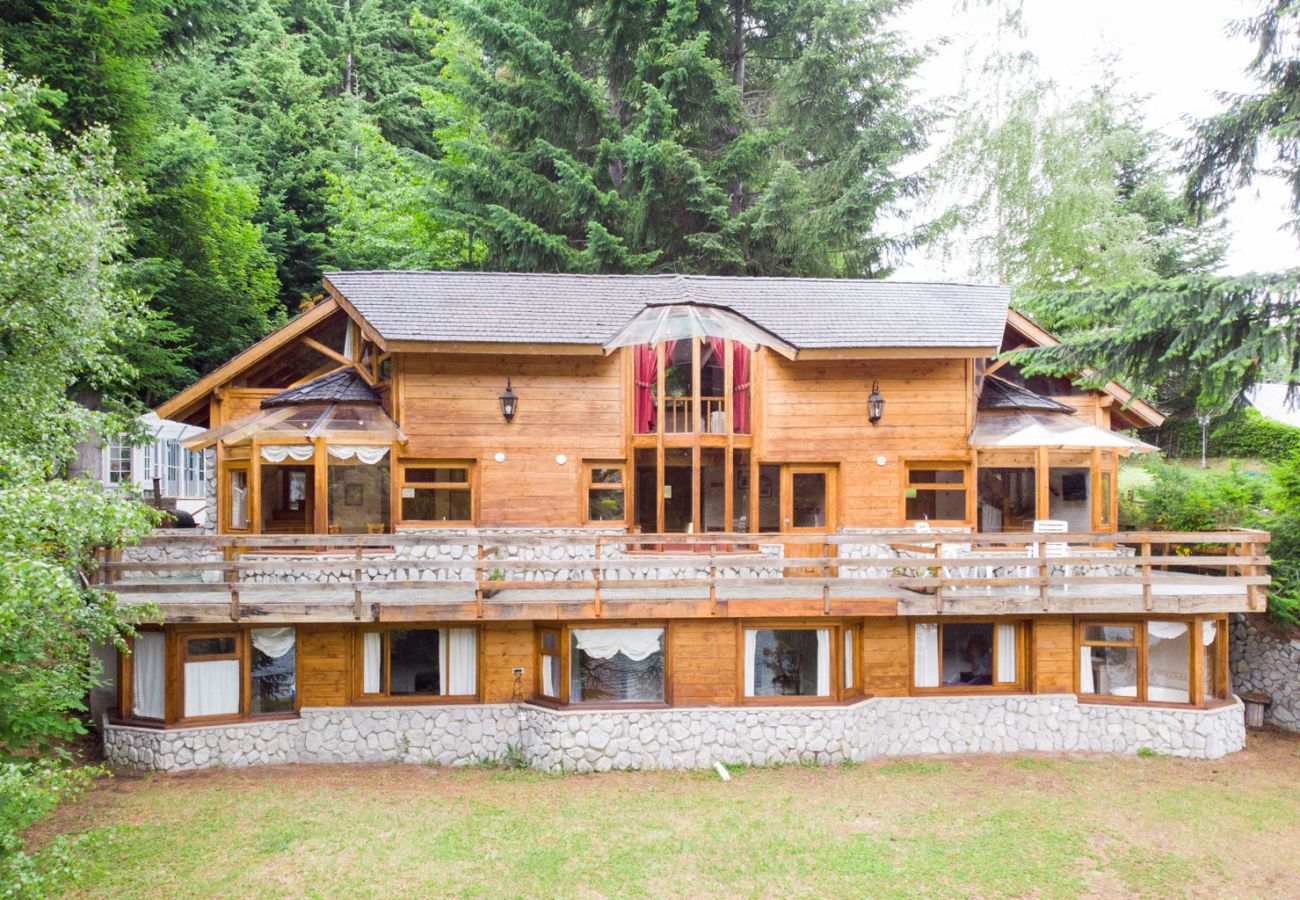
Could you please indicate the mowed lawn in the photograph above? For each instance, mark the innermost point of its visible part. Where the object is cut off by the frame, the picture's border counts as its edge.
(961, 826)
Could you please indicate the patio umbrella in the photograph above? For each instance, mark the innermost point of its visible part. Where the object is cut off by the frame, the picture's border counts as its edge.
(1055, 430)
(683, 320)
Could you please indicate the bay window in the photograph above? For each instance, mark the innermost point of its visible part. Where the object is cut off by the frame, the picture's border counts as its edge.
(1182, 661)
(597, 665)
(423, 663)
(956, 656)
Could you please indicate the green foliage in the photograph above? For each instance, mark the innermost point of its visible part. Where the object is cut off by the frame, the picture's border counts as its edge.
(1178, 499)
(1283, 523)
(1224, 153)
(740, 137)
(28, 792)
(1244, 434)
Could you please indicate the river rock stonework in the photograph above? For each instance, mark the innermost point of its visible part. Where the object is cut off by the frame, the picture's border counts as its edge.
(686, 738)
(1266, 662)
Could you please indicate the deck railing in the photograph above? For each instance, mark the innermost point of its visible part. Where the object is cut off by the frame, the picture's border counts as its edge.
(486, 566)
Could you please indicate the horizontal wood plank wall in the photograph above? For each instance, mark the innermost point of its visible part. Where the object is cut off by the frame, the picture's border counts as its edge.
(567, 405)
(1089, 407)
(885, 656)
(1053, 662)
(817, 412)
(505, 647)
(323, 664)
(703, 654)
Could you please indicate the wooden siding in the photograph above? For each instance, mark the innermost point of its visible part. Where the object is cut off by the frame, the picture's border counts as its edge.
(703, 662)
(504, 648)
(886, 657)
(449, 409)
(1053, 660)
(817, 412)
(323, 664)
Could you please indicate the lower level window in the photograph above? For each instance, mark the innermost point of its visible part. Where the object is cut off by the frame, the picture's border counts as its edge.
(272, 686)
(1153, 661)
(958, 655)
(420, 662)
(616, 665)
(212, 675)
(147, 675)
(788, 662)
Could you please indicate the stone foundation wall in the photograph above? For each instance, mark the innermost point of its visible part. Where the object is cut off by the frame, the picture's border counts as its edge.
(686, 738)
(1269, 663)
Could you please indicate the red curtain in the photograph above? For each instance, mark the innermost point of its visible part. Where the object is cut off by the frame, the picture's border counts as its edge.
(645, 365)
(740, 388)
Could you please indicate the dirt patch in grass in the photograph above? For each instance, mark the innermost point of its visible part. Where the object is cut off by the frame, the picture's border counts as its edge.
(1043, 825)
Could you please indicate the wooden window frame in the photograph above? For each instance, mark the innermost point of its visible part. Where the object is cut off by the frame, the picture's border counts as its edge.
(838, 695)
(126, 681)
(225, 502)
(1195, 662)
(565, 634)
(967, 486)
(239, 655)
(400, 483)
(384, 697)
(1019, 686)
(584, 501)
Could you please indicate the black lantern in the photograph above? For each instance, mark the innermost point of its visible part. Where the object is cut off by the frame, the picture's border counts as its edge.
(509, 402)
(875, 404)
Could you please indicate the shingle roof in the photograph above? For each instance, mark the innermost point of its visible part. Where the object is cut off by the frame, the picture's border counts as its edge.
(587, 309)
(345, 386)
(998, 393)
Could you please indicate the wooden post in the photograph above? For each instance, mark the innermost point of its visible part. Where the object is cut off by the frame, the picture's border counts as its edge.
(356, 583)
(1252, 590)
(826, 578)
(232, 576)
(713, 580)
(596, 570)
(478, 582)
(1044, 571)
(1146, 576)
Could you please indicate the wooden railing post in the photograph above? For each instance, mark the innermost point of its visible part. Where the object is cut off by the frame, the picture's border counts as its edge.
(356, 583)
(478, 582)
(713, 580)
(1044, 572)
(1252, 590)
(232, 576)
(1146, 576)
(826, 578)
(596, 571)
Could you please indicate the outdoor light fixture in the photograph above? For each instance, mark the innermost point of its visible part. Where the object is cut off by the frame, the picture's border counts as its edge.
(509, 402)
(875, 404)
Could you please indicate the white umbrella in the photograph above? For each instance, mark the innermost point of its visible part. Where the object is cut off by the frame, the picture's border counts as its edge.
(1059, 431)
(685, 320)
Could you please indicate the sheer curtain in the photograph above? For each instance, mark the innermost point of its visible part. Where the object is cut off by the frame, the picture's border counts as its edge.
(926, 655)
(751, 647)
(371, 662)
(1086, 684)
(849, 634)
(823, 662)
(457, 661)
(634, 643)
(212, 688)
(147, 675)
(1006, 652)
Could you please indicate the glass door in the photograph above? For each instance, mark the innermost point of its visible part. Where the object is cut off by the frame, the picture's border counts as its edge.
(807, 507)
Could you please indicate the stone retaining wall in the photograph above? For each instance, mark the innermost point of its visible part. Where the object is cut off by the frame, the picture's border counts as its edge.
(1269, 663)
(685, 738)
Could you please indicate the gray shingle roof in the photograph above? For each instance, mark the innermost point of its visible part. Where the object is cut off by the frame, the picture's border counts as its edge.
(337, 387)
(587, 309)
(998, 393)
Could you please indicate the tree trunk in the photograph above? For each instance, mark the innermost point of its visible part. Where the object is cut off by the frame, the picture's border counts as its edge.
(735, 188)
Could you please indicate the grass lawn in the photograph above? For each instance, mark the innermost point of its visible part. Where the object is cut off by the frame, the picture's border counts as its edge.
(961, 826)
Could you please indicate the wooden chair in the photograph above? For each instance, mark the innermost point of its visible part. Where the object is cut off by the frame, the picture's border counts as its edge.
(1053, 548)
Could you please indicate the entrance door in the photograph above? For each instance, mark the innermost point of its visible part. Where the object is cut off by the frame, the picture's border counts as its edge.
(807, 507)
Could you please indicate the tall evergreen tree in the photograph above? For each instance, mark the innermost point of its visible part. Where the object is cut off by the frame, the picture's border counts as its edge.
(726, 137)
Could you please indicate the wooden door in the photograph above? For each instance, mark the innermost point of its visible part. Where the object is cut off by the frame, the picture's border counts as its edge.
(807, 507)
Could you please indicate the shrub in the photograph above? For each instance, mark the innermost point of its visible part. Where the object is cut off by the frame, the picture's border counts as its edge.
(1243, 435)
(1178, 499)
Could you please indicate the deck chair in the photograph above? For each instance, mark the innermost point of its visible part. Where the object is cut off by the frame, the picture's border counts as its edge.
(949, 551)
(1053, 548)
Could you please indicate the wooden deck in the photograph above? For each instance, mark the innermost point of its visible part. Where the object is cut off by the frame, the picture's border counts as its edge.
(458, 576)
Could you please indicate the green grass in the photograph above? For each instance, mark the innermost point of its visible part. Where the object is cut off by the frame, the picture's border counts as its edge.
(1052, 826)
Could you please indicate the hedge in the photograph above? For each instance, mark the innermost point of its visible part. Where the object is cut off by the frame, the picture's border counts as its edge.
(1244, 435)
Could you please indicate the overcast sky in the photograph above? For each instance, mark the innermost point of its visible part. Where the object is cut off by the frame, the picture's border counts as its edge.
(1176, 51)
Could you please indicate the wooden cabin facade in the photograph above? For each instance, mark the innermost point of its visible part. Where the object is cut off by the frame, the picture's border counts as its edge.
(464, 513)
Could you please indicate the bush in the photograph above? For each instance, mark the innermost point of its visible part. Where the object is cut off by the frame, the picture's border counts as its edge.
(1243, 435)
(1178, 499)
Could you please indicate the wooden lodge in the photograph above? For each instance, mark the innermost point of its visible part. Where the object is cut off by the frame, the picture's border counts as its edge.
(597, 517)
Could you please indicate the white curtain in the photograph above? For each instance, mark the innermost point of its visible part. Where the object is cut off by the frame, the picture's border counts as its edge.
(926, 655)
(371, 662)
(1209, 631)
(212, 688)
(367, 454)
(1086, 685)
(458, 661)
(823, 662)
(1006, 654)
(634, 643)
(274, 642)
(751, 647)
(848, 657)
(1166, 630)
(147, 675)
(280, 452)
(238, 504)
(549, 687)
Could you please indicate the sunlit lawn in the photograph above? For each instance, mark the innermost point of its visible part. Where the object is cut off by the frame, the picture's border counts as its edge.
(972, 826)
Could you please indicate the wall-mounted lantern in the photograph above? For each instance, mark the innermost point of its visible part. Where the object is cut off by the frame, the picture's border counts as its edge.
(875, 404)
(509, 402)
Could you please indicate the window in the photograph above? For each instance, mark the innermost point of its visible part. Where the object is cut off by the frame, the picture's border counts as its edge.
(237, 503)
(692, 368)
(935, 492)
(147, 692)
(359, 491)
(119, 463)
(1157, 661)
(604, 492)
(788, 662)
(550, 663)
(272, 675)
(194, 473)
(1007, 499)
(419, 662)
(211, 675)
(437, 492)
(957, 656)
(616, 665)
(172, 480)
(850, 659)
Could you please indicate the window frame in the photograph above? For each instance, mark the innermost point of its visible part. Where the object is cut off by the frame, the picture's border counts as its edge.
(1019, 686)
(1195, 662)
(584, 500)
(239, 655)
(385, 697)
(126, 682)
(400, 483)
(838, 695)
(565, 634)
(963, 466)
(225, 496)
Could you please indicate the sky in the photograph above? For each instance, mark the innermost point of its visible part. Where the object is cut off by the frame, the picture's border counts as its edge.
(1175, 51)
